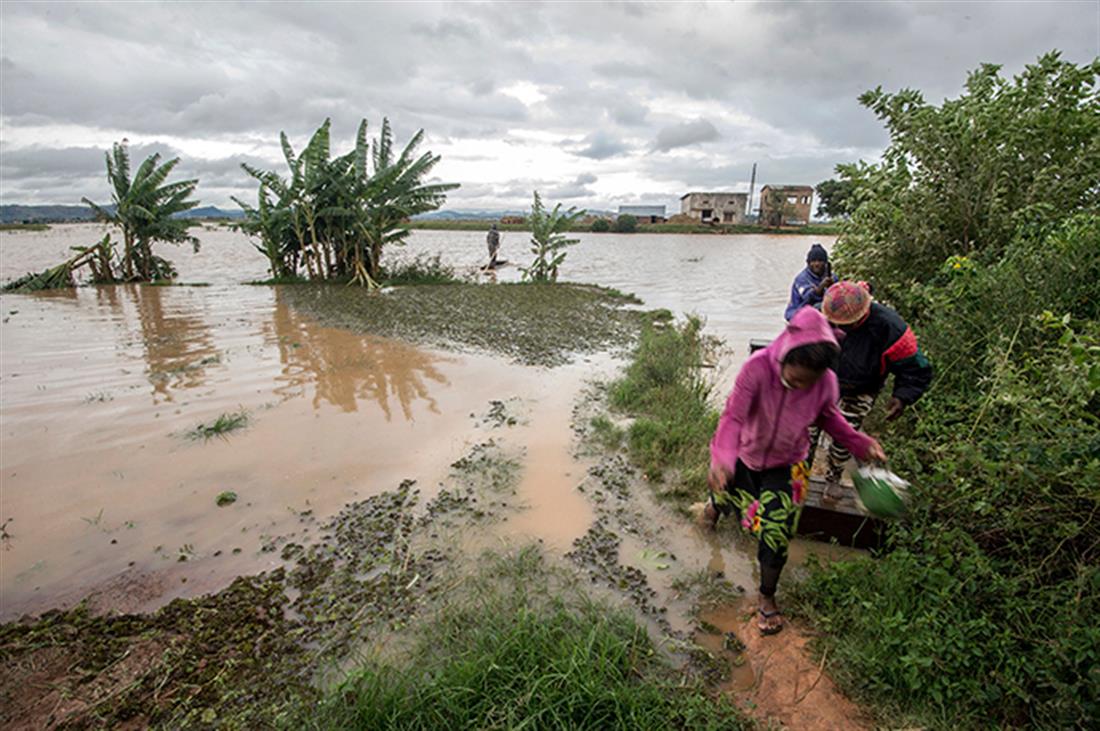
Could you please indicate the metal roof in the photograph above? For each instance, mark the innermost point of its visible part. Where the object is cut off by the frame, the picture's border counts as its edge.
(643, 210)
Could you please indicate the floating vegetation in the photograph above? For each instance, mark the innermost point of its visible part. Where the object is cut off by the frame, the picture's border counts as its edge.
(220, 427)
(533, 324)
(228, 497)
(242, 658)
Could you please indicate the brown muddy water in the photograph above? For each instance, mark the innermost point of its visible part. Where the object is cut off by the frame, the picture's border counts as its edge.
(102, 491)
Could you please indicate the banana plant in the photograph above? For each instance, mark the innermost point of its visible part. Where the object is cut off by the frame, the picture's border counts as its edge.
(144, 210)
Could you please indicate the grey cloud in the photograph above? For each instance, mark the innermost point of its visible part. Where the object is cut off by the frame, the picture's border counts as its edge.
(600, 146)
(578, 188)
(685, 134)
(243, 72)
(628, 112)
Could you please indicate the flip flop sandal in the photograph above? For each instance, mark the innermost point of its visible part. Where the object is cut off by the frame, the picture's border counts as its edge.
(768, 615)
(717, 512)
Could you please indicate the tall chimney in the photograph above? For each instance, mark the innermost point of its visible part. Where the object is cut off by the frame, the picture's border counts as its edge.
(752, 187)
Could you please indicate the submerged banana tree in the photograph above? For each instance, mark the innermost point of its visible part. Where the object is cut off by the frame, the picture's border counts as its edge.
(335, 216)
(548, 240)
(144, 212)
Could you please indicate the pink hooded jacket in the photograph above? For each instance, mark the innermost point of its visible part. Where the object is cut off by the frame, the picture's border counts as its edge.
(765, 423)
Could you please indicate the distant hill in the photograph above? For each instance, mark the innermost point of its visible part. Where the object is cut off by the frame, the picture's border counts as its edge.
(58, 214)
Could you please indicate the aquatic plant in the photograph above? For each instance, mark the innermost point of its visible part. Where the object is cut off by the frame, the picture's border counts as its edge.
(334, 217)
(224, 424)
(548, 241)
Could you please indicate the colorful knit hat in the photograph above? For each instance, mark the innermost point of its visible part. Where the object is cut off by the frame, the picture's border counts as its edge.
(846, 302)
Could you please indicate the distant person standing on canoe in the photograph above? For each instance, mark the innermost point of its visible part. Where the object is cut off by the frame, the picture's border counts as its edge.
(758, 452)
(493, 239)
(810, 284)
(876, 342)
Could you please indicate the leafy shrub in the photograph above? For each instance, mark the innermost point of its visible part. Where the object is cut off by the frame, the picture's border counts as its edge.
(421, 269)
(981, 226)
(601, 225)
(626, 224)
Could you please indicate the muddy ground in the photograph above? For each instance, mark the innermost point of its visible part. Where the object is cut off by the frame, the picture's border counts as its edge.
(253, 654)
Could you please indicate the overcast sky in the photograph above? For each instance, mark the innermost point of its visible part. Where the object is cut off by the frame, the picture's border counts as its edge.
(595, 105)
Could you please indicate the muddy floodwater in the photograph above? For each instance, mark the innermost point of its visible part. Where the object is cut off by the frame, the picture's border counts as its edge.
(105, 491)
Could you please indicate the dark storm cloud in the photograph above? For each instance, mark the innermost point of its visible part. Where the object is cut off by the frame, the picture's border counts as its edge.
(685, 134)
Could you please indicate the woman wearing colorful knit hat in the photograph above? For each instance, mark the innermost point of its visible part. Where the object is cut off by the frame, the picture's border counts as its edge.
(758, 452)
(876, 342)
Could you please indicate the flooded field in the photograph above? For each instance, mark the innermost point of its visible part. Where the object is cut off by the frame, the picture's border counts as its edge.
(105, 489)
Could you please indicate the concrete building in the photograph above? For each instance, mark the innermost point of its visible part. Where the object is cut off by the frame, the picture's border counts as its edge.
(645, 214)
(785, 205)
(715, 207)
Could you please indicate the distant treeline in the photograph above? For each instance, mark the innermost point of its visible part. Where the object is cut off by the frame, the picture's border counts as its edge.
(813, 229)
(76, 214)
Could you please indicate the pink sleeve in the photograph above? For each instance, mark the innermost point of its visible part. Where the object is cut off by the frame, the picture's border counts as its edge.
(833, 422)
(727, 437)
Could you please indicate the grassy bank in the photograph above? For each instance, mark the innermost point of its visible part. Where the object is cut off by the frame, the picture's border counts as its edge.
(667, 392)
(24, 227)
(813, 229)
(522, 647)
(535, 324)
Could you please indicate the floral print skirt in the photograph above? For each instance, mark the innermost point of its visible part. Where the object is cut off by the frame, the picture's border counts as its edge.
(769, 504)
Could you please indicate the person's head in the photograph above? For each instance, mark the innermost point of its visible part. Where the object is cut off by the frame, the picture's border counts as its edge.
(847, 304)
(817, 259)
(803, 366)
(494, 227)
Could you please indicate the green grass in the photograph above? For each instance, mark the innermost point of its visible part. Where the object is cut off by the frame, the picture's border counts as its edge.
(534, 324)
(24, 227)
(421, 269)
(220, 427)
(522, 651)
(664, 389)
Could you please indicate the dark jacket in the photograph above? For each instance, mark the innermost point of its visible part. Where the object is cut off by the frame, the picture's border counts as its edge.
(882, 345)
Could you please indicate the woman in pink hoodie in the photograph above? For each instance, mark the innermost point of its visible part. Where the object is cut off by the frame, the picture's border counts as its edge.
(759, 450)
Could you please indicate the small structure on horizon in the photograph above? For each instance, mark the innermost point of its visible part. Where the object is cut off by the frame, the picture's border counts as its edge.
(645, 214)
(715, 207)
(785, 205)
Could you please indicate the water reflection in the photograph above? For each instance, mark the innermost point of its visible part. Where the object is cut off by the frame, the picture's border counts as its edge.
(177, 343)
(345, 368)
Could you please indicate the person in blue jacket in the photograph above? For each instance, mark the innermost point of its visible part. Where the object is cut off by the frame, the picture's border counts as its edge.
(810, 284)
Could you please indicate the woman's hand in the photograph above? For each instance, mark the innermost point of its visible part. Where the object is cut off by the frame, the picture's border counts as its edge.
(875, 451)
(718, 477)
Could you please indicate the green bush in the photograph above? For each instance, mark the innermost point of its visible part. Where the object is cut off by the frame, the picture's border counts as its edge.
(601, 225)
(979, 229)
(421, 269)
(626, 224)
